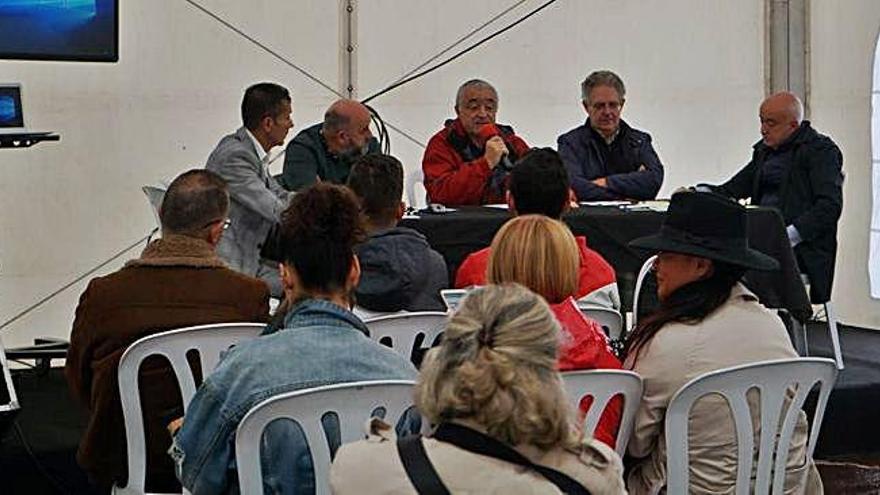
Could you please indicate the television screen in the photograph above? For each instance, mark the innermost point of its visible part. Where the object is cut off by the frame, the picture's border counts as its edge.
(59, 30)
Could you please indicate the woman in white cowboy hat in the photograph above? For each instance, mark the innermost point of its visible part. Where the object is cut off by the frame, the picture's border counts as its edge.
(706, 320)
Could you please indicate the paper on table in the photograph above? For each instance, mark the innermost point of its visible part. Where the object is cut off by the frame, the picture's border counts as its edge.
(500, 206)
(604, 203)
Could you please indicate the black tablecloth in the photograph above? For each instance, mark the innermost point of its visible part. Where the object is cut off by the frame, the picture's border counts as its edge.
(608, 229)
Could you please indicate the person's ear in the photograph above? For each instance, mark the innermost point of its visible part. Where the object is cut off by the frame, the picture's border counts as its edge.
(401, 210)
(586, 107)
(704, 268)
(622, 102)
(354, 273)
(570, 202)
(511, 204)
(215, 232)
(266, 123)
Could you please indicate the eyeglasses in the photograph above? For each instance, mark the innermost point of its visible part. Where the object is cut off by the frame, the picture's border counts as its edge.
(226, 223)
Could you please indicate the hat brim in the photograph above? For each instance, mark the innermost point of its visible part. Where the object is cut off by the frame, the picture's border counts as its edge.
(748, 258)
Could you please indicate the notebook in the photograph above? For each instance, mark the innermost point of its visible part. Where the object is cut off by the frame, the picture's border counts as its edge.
(12, 113)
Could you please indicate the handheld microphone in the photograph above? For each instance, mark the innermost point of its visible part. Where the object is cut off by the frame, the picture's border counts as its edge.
(487, 132)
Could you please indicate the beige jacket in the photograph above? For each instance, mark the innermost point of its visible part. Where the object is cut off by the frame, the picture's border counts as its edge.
(373, 466)
(739, 332)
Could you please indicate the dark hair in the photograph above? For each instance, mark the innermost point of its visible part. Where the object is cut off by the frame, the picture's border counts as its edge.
(377, 180)
(261, 100)
(319, 231)
(539, 183)
(194, 200)
(690, 303)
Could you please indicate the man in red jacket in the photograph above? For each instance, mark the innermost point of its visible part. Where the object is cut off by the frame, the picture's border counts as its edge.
(467, 163)
(540, 185)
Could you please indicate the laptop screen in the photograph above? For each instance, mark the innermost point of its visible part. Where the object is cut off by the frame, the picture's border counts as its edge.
(10, 106)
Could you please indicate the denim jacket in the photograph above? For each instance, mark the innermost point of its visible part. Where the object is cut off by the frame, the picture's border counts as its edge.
(319, 344)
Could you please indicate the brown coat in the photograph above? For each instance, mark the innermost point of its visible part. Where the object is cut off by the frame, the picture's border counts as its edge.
(374, 466)
(177, 282)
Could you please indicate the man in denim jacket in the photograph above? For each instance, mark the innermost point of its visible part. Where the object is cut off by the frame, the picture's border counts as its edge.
(318, 342)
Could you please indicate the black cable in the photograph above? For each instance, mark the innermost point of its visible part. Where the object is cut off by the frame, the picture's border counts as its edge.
(459, 54)
(56, 484)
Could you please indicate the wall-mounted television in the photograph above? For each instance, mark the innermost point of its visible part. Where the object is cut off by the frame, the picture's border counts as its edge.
(84, 30)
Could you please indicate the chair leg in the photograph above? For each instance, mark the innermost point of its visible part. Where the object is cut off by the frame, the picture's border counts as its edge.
(835, 337)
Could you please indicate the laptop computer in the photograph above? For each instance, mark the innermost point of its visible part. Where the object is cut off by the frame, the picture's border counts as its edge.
(12, 114)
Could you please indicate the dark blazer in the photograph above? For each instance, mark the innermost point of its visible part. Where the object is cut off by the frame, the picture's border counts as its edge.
(177, 282)
(811, 199)
(580, 152)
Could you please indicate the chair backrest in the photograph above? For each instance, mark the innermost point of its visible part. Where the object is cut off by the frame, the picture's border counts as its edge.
(154, 195)
(209, 340)
(416, 195)
(778, 382)
(353, 403)
(602, 386)
(647, 266)
(402, 329)
(452, 297)
(610, 320)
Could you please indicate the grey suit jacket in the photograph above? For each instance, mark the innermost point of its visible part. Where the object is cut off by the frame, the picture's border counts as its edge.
(256, 200)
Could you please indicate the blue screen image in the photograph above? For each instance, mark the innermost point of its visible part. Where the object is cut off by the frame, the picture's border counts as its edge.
(58, 29)
(7, 110)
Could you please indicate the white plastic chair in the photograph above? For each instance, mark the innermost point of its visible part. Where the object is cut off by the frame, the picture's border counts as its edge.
(602, 386)
(6, 384)
(452, 297)
(353, 403)
(403, 328)
(831, 317)
(416, 195)
(773, 380)
(647, 266)
(209, 340)
(611, 321)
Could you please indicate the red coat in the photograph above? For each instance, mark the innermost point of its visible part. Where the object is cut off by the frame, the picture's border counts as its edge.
(455, 172)
(594, 272)
(584, 347)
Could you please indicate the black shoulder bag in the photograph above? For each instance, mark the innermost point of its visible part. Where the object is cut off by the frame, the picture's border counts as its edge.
(426, 481)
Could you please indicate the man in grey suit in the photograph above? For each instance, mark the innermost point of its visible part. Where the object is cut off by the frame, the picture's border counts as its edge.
(256, 198)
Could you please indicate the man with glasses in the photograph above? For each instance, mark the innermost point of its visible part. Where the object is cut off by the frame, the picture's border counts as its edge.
(242, 159)
(606, 158)
(178, 281)
(467, 162)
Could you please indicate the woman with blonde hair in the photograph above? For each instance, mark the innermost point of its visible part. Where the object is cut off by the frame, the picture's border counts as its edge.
(502, 419)
(541, 253)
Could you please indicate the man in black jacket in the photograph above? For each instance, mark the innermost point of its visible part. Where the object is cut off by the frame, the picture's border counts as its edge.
(798, 171)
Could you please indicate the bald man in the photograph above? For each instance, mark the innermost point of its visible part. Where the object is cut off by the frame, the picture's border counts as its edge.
(797, 171)
(326, 151)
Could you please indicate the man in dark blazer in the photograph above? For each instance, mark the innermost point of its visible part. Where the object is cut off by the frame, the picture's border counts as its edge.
(605, 157)
(178, 281)
(798, 171)
(242, 159)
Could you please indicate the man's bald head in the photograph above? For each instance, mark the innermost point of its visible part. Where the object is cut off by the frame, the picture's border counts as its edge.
(347, 126)
(781, 115)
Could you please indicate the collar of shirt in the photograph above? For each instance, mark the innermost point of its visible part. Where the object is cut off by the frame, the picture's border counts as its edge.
(261, 153)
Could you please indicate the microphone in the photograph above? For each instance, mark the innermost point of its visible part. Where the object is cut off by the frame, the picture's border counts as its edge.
(487, 132)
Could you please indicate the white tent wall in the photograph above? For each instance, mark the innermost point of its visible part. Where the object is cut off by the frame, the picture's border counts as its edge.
(843, 41)
(694, 70)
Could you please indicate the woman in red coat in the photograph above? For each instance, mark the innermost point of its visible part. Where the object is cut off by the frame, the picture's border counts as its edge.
(542, 254)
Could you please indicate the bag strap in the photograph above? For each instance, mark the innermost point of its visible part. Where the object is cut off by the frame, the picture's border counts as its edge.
(478, 443)
(418, 467)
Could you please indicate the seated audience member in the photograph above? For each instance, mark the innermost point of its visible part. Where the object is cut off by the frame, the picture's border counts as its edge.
(707, 320)
(491, 387)
(326, 151)
(242, 159)
(797, 171)
(541, 254)
(320, 342)
(540, 185)
(467, 162)
(399, 270)
(177, 282)
(606, 158)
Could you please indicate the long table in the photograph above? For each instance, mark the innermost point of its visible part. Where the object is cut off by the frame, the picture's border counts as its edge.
(608, 230)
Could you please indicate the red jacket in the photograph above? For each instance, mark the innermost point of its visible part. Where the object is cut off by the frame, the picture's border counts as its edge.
(455, 172)
(594, 272)
(584, 347)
